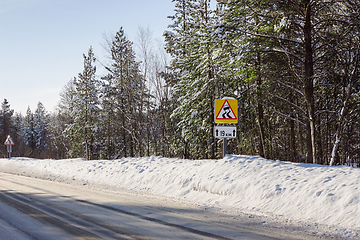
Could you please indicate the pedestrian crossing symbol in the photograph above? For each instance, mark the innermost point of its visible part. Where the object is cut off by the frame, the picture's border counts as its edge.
(226, 111)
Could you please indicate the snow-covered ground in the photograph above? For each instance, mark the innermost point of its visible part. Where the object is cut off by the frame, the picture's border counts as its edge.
(307, 194)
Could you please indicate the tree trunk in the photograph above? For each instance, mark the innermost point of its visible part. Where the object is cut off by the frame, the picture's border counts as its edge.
(124, 133)
(260, 109)
(340, 124)
(292, 132)
(320, 154)
(309, 85)
(292, 140)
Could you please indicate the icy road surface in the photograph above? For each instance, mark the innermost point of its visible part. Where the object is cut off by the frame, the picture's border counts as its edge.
(39, 209)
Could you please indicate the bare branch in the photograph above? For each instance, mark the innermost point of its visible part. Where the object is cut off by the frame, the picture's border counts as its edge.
(288, 117)
(291, 87)
(292, 104)
(286, 53)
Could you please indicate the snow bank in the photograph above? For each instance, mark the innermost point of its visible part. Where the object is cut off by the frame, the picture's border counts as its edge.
(301, 192)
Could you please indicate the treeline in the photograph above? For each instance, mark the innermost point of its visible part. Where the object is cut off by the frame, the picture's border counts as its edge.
(30, 133)
(292, 66)
(124, 113)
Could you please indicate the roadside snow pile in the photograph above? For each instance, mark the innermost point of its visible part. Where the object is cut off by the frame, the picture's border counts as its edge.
(302, 192)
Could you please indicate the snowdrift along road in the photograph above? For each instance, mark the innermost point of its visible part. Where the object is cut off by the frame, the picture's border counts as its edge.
(305, 193)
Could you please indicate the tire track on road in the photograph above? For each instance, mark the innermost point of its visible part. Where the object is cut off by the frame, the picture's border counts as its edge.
(41, 206)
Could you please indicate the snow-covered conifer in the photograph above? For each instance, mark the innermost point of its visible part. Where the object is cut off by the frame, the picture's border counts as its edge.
(42, 138)
(85, 110)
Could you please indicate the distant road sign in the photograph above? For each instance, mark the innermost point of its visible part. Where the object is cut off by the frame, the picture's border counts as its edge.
(226, 111)
(9, 141)
(225, 131)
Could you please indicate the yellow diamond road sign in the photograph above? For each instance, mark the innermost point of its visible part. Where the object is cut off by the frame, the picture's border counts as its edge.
(226, 111)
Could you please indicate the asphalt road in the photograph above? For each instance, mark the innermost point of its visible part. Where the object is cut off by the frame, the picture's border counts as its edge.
(39, 209)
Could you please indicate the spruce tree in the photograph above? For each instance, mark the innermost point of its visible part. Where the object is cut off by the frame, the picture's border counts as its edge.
(192, 45)
(42, 134)
(18, 136)
(6, 122)
(29, 133)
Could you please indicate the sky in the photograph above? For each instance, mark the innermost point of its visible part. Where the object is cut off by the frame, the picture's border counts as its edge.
(42, 42)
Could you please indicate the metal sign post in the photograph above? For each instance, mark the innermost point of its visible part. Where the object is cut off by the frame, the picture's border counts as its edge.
(9, 142)
(226, 114)
(9, 149)
(224, 147)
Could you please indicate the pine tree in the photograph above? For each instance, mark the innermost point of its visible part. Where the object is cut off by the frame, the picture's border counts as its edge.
(86, 110)
(123, 95)
(108, 127)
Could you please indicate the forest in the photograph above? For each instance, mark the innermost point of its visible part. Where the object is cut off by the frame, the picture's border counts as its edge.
(293, 66)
